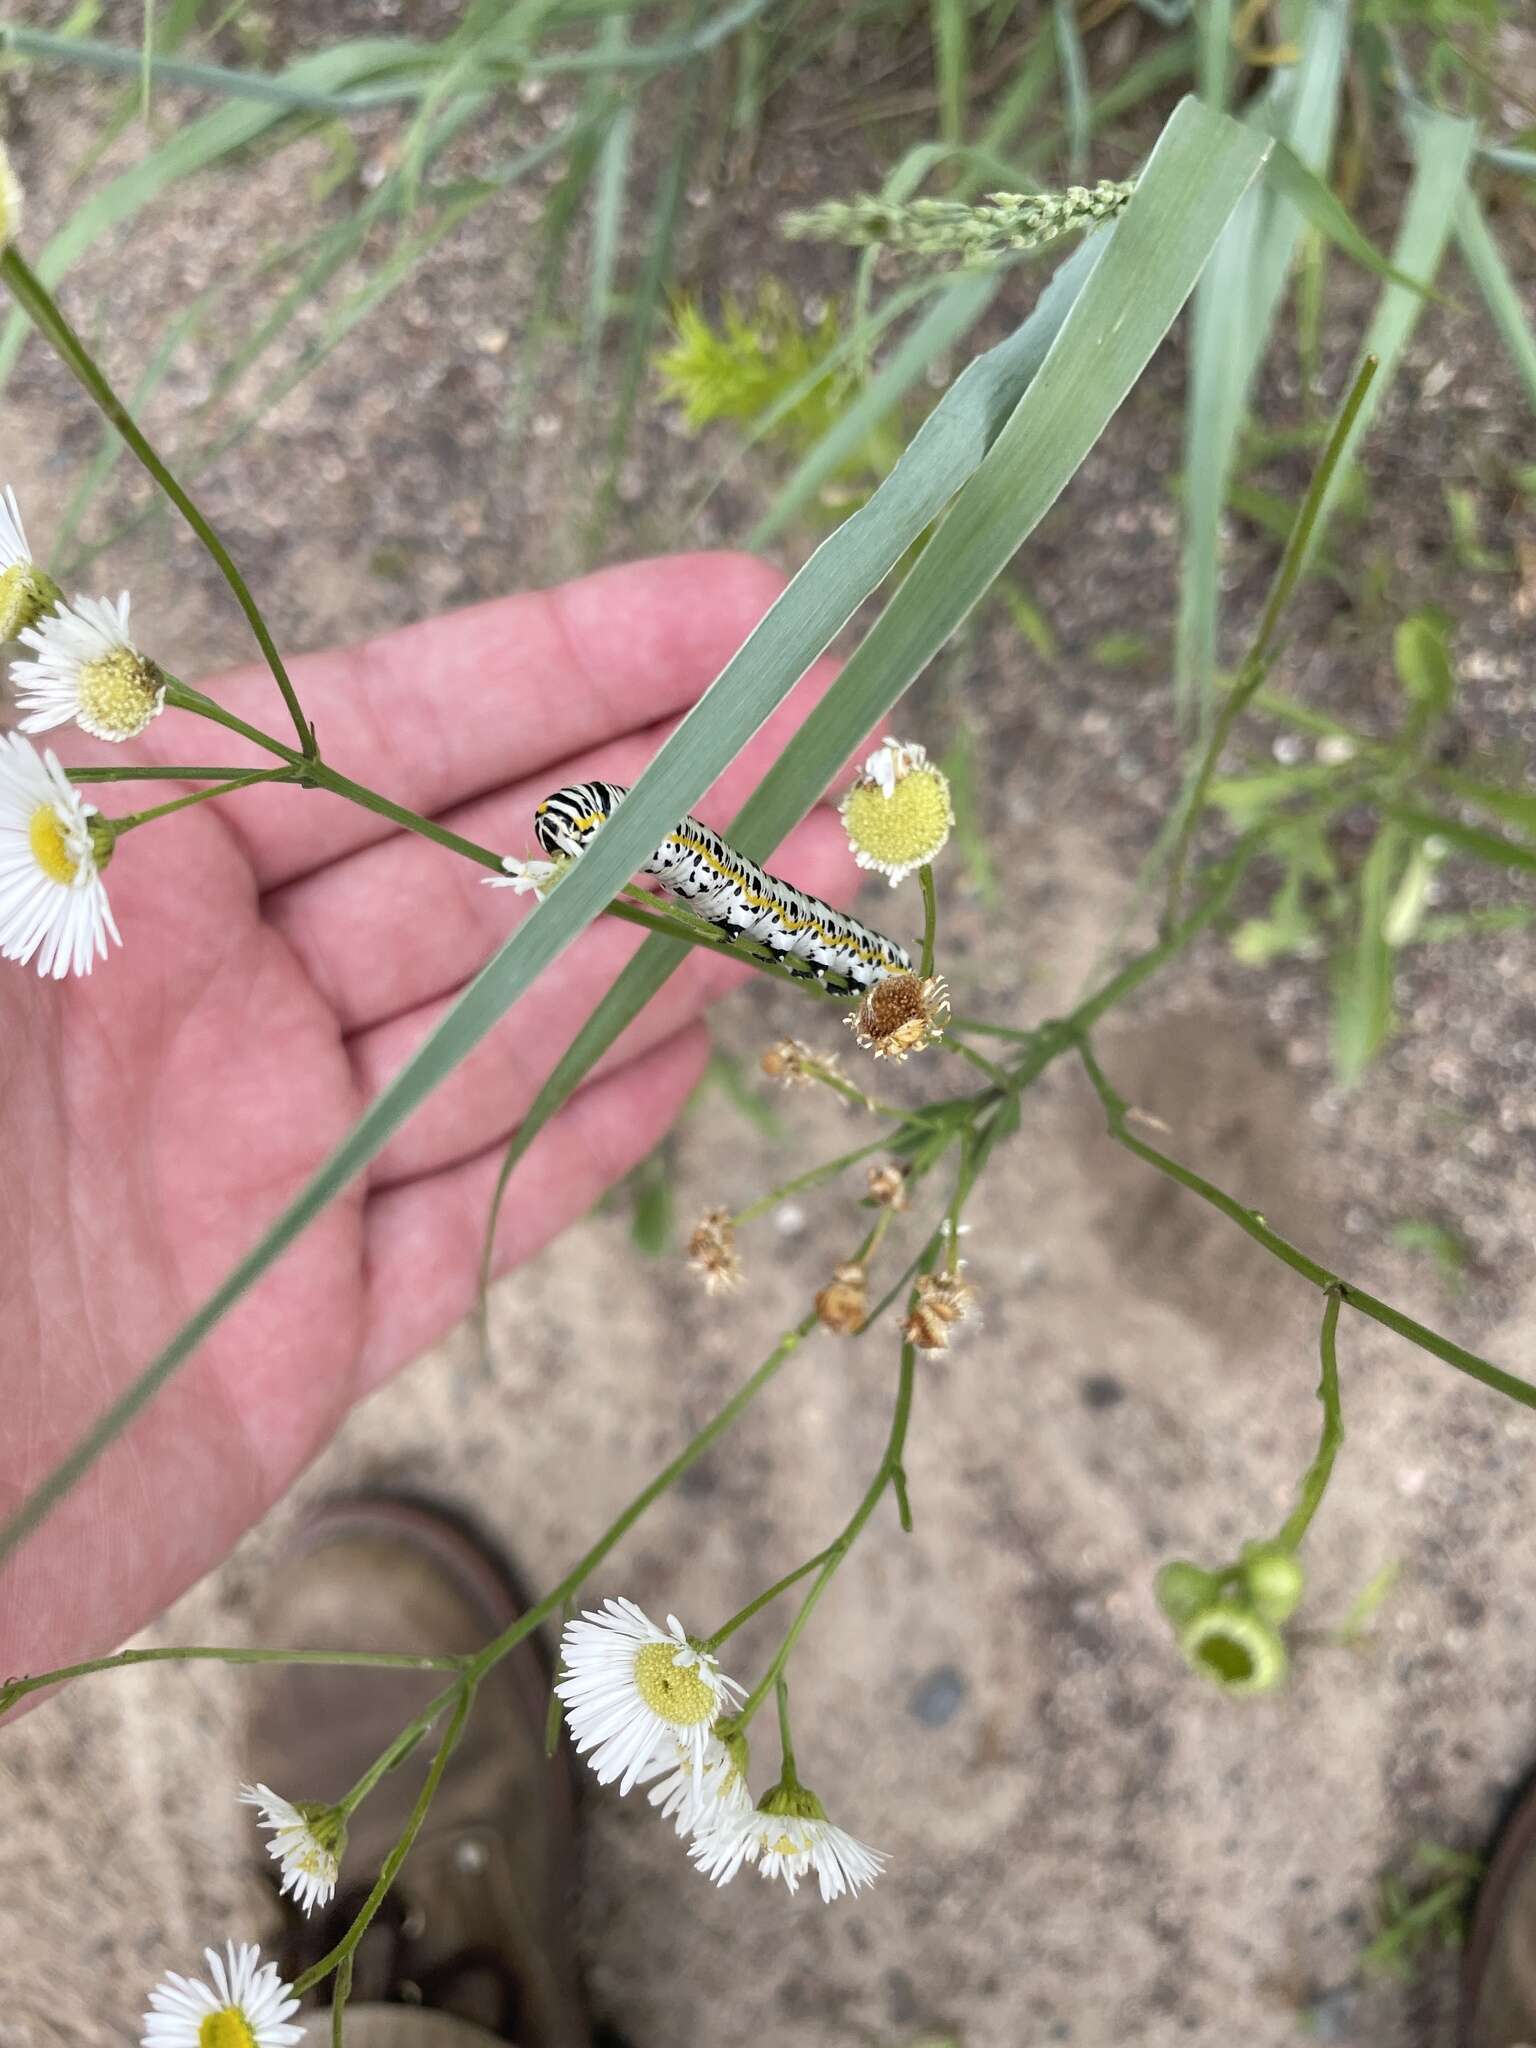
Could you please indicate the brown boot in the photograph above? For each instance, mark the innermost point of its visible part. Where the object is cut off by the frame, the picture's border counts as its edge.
(1498, 2005)
(477, 1922)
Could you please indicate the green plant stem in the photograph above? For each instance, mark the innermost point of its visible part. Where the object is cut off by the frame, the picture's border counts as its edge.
(1254, 1225)
(829, 1169)
(787, 1773)
(890, 1464)
(339, 2000)
(32, 295)
(16, 1689)
(200, 796)
(930, 918)
(1315, 1484)
(345, 1948)
(1256, 665)
(158, 774)
(763, 1600)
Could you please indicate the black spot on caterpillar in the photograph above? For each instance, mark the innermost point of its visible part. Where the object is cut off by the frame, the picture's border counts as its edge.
(733, 893)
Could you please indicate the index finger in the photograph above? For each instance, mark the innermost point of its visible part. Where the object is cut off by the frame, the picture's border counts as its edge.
(439, 713)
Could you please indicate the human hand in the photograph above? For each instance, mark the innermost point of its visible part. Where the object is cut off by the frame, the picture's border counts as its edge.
(286, 952)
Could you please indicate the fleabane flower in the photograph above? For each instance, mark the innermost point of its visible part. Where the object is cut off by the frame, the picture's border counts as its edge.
(87, 670)
(307, 1843)
(901, 1014)
(53, 845)
(26, 591)
(712, 1252)
(630, 1688)
(898, 814)
(788, 1835)
(528, 877)
(696, 1801)
(245, 2007)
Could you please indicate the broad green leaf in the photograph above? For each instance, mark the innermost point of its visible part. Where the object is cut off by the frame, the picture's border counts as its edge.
(1086, 344)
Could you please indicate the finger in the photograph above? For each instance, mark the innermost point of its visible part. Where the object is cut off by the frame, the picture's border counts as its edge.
(397, 924)
(488, 1094)
(424, 1239)
(444, 711)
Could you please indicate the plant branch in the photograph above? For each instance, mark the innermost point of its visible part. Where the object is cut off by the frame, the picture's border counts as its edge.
(1320, 1471)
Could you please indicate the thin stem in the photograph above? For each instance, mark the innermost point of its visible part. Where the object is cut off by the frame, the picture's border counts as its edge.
(155, 774)
(787, 1772)
(756, 1606)
(838, 1550)
(1253, 1224)
(930, 918)
(998, 1076)
(397, 1855)
(829, 1169)
(1315, 1484)
(339, 1999)
(384, 1660)
(200, 796)
(1256, 666)
(33, 297)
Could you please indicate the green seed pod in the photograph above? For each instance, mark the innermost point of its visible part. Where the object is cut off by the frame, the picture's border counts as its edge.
(1273, 1579)
(1234, 1649)
(1184, 1590)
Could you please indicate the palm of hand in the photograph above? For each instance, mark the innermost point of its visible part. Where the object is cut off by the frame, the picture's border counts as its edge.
(283, 956)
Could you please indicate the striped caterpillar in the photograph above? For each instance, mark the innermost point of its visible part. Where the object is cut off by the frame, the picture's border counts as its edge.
(733, 893)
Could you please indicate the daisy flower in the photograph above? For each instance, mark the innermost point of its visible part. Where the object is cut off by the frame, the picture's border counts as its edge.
(629, 1688)
(88, 670)
(245, 2007)
(788, 1836)
(898, 814)
(26, 592)
(716, 1795)
(307, 1842)
(52, 899)
(528, 877)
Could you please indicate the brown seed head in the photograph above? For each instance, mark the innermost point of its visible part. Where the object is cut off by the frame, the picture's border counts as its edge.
(943, 1299)
(712, 1252)
(843, 1304)
(795, 1065)
(888, 1186)
(900, 1014)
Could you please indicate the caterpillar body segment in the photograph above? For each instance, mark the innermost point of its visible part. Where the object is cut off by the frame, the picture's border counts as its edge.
(694, 864)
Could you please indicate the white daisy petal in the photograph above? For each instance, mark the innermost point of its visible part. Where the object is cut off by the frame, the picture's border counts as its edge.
(700, 1801)
(629, 1687)
(87, 670)
(53, 903)
(253, 2003)
(789, 1846)
(13, 535)
(308, 1855)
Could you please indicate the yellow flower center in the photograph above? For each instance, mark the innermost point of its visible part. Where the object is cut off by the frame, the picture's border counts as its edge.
(118, 694)
(905, 828)
(677, 1692)
(24, 596)
(785, 1847)
(50, 848)
(227, 2029)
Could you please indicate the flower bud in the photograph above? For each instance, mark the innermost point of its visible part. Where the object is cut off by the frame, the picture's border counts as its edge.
(1273, 1580)
(1183, 1590)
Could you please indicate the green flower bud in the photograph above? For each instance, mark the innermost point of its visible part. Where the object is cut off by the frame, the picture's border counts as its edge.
(1184, 1590)
(1273, 1580)
(1234, 1649)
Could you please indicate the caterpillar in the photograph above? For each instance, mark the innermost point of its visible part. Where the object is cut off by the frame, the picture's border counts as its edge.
(736, 896)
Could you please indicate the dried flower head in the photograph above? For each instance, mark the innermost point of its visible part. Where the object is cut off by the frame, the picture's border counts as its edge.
(888, 1186)
(898, 814)
(712, 1251)
(842, 1306)
(900, 1014)
(943, 1299)
(792, 1064)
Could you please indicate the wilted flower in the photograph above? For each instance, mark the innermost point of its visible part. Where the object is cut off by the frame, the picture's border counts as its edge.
(888, 1186)
(900, 1015)
(788, 1835)
(943, 1299)
(898, 814)
(842, 1306)
(307, 1843)
(632, 1691)
(795, 1065)
(528, 877)
(712, 1252)
(696, 1800)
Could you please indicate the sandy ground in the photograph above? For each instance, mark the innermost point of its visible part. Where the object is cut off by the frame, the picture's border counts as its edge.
(1087, 1845)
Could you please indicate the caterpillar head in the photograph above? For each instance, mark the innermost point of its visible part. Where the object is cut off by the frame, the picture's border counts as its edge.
(565, 822)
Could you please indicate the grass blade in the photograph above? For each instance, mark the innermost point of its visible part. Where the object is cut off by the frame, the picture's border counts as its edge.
(1499, 290)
